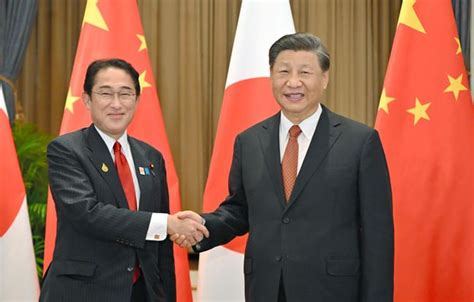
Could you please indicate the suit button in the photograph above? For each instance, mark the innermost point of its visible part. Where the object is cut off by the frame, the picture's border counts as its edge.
(286, 220)
(278, 258)
(130, 268)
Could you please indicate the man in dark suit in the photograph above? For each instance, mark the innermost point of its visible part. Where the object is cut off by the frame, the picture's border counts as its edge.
(312, 190)
(111, 198)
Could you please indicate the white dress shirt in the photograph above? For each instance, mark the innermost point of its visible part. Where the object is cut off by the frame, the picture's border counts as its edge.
(308, 127)
(159, 221)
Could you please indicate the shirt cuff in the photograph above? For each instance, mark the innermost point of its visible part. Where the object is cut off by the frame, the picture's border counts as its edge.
(157, 228)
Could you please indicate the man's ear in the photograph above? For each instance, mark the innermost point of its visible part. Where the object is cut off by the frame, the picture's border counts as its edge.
(86, 99)
(325, 79)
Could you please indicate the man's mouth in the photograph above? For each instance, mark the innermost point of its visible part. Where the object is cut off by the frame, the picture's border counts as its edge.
(294, 96)
(115, 115)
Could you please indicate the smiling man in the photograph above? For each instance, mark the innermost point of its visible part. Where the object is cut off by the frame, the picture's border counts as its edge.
(113, 221)
(312, 190)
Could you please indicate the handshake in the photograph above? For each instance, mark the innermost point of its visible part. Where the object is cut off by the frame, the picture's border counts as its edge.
(186, 228)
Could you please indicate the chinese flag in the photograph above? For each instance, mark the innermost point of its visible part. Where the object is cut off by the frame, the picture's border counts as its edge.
(113, 29)
(426, 122)
(247, 100)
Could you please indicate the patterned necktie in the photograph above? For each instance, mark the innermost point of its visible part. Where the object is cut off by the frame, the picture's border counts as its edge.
(289, 164)
(126, 179)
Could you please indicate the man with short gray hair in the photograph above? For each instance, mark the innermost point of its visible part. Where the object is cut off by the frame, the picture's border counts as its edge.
(312, 190)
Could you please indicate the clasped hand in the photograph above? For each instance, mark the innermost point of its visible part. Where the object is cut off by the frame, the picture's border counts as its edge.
(186, 228)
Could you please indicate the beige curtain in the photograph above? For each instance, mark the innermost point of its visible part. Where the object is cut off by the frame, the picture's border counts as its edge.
(189, 42)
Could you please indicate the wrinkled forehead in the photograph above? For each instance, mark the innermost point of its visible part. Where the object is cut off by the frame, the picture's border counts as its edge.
(300, 58)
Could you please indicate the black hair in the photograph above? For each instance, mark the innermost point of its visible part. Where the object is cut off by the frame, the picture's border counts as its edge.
(98, 65)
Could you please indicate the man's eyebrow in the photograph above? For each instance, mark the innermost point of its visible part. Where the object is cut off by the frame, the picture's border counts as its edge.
(110, 87)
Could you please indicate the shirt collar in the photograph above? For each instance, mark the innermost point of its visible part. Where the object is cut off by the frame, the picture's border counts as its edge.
(110, 141)
(307, 126)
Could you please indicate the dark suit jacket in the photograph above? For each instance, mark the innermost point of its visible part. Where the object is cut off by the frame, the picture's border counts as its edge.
(333, 241)
(98, 238)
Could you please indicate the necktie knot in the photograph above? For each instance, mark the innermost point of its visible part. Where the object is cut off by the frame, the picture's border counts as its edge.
(117, 147)
(295, 131)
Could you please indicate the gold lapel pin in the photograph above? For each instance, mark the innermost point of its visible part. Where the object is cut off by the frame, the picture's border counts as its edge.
(105, 168)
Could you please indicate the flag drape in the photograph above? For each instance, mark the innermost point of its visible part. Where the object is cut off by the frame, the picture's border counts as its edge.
(114, 30)
(247, 100)
(426, 123)
(18, 276)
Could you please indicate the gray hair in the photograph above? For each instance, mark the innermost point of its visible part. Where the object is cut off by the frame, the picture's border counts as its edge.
(301, 41)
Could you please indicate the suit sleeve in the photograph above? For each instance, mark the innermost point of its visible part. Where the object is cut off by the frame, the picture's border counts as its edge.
(377, 247)
(165, 251)
(76, 202)
(231, 218)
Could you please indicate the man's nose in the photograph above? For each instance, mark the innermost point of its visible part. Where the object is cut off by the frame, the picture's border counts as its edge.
(293, 81)
(115, 100)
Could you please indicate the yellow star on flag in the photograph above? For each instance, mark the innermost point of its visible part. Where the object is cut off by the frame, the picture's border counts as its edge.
(143, 82)
(409, 17)
(455, 86)
(419, 111)
(143, 42)
(458, 51)
(93, 15)
(384, 101)
(70, 100)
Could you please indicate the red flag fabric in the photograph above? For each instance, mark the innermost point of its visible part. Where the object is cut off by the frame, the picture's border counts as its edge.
(426, 122)
(247, 100)
(112, 29)
(18, 276)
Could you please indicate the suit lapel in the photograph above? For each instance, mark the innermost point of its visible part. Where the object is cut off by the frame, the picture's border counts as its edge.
(325, 135)
(100, 157)
(144, 173)
(269, 140)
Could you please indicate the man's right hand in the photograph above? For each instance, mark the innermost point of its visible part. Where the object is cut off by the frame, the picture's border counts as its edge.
(186, 228)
